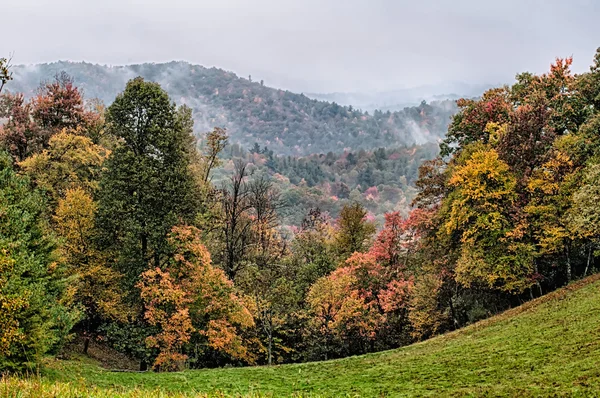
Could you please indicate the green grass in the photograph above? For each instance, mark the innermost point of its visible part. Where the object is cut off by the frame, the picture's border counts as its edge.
(547, 347)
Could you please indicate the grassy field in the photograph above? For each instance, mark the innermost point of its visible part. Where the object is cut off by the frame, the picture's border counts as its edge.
(547, 347)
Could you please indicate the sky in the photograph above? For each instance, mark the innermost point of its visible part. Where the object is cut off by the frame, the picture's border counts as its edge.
(312, 45)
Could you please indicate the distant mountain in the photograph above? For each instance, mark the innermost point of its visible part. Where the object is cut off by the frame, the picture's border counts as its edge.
(394, 100)
(285, 122)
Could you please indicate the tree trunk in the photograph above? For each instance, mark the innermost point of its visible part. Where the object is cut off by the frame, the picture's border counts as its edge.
(270, 350)
(568, 254)
(589, 260)
(86, 344)
(453, 314)
(537, 282)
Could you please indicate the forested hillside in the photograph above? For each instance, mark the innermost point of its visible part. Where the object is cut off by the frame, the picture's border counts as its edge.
(287, 123)
(120, 227)
(381, 180)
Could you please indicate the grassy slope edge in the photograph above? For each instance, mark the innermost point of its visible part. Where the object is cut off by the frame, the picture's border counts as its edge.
(549, 347)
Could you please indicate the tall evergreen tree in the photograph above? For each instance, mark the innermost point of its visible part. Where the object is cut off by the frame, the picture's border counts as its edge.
(148, 186)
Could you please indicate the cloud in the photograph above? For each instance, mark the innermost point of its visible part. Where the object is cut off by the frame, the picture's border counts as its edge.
(312, 45)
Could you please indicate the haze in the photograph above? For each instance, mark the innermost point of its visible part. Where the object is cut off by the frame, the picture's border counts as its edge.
(311, 45)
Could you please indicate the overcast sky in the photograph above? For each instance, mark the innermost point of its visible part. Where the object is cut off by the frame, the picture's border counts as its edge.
(312, 45)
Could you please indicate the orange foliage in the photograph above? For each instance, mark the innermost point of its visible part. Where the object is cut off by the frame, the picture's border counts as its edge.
(190, 295)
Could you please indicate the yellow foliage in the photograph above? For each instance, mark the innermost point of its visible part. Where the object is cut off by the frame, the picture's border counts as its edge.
(71, 161)
(9, 307)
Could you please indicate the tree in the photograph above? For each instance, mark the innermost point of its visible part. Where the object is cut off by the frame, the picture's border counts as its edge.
(5, 73)
(215, 142)
(426, 315)
(11, 305)
(97, 286)
(59, 105)
(166, 308)
(584, 216)
(551, 191)
(353, 230)
(71, 161)
(37, 312)
(484, 192)
(313, 250)
(265, 278)
(236, 225)
(19, 135)
(343, 316)
(468, 126)
(147, 187)
(397, 240)
(189, 295)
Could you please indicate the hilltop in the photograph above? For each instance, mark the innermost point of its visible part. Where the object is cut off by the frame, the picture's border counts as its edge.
(546, 347)
(285, 122)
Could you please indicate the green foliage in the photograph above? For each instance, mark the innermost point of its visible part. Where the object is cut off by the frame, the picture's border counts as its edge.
(34, 289)
(354, 231)
(148, 186)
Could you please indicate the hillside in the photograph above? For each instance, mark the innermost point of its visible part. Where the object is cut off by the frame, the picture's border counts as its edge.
(288, 123)
(381, 180)
(546, 347)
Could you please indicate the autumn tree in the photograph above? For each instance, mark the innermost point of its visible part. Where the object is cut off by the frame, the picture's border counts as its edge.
(19, 135)
(426, 314)
(214, 143)
(354, 231)
(59, 105)
(478, 213)
(71, 161)
(468, 126)
(397, 241)
(97, 285)
(192, 302)
(313, 249)
(339, 313)
(583, 217)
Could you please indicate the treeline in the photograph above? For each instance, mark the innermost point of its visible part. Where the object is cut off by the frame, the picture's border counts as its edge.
(112, 228)
(288, 123)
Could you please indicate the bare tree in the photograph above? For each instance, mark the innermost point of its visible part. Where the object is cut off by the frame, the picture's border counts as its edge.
(5, 73)
(266, 203)
(236, 228)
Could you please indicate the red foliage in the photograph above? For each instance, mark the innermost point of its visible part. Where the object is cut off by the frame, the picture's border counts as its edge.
(399, 238)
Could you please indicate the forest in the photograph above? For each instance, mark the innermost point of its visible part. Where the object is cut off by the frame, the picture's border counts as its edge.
(119, 225)
(381, 180)
(287, 123)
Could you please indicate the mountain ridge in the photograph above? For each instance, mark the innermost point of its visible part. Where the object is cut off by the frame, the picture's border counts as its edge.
(287, 123)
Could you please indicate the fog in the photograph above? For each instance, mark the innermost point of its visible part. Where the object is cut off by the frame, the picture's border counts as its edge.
(318, 46)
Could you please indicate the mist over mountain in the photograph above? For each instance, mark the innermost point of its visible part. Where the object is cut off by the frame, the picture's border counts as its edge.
(394, 100)
(285, 122)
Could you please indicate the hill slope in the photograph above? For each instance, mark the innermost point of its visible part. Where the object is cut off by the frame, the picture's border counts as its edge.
(546, 347)
(288, 123)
